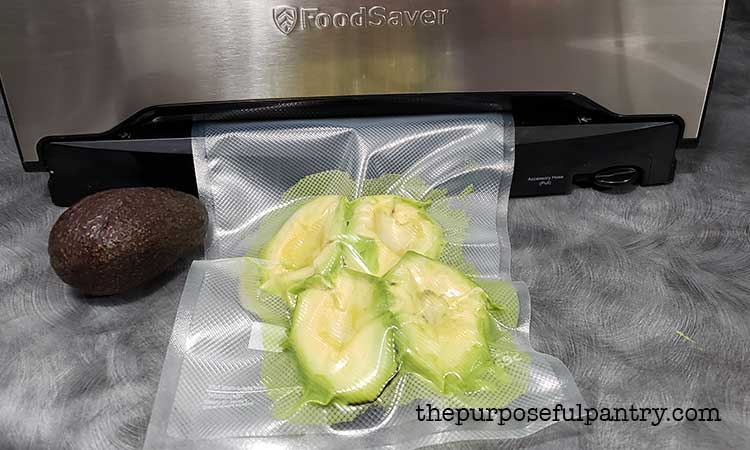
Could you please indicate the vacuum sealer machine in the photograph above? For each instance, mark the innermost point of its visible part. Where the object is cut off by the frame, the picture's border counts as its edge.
(103, 93)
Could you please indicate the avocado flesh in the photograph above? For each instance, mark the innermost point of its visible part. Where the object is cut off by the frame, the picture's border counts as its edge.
(341, 336)
(304, 245)
(442, 319)
(393, 226)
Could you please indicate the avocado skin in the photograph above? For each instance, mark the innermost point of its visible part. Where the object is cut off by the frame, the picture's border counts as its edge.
(116, 240)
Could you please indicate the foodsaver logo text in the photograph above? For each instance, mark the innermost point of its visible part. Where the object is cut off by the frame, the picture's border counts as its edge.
(290, 18)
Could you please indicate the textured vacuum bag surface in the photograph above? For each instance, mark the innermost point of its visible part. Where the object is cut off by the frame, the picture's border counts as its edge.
(229, 380)
(245, 173)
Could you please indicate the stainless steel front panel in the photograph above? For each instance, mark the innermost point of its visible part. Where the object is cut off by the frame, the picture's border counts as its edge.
(83, 66)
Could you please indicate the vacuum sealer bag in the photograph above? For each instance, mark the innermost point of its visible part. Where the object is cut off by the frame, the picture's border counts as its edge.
(230, 379)
(247, 171)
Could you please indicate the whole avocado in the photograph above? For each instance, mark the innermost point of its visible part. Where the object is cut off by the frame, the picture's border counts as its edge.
(115, 240)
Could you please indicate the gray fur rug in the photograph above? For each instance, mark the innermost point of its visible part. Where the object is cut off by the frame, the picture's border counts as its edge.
(618, 284)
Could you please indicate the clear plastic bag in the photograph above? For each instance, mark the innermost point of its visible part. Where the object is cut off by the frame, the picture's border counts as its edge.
(246, 172)
(228, 381)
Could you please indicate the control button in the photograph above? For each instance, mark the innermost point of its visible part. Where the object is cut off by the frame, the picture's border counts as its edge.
(616, 177)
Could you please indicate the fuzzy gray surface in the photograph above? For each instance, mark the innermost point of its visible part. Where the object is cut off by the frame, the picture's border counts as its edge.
(613, 278)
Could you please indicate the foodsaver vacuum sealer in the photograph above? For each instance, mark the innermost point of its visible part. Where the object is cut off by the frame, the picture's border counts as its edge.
(104, 94)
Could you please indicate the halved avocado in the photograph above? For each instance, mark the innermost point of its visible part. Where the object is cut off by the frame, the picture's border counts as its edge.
(389, 226)
(342, 338)
(305, 245)
(443, 323)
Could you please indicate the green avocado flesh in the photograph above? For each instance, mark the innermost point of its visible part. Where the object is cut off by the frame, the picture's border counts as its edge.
(442, 319)
(390, 226)
(367, 299)
(305, 245)
(342, 339)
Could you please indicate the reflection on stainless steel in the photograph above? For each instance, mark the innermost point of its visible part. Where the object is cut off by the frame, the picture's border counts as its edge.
(83, 66)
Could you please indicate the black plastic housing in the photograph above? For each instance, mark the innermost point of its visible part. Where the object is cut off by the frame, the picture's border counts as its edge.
(561, 139)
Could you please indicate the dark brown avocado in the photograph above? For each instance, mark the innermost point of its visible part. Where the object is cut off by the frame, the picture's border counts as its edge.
(115, 240)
